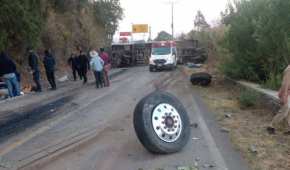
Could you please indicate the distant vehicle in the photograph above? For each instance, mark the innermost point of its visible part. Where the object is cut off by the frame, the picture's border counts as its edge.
(163, 56)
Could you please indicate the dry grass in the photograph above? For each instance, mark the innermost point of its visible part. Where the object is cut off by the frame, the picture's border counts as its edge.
(248, 127)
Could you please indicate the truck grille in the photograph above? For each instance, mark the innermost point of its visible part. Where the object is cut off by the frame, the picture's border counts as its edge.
(160, 61)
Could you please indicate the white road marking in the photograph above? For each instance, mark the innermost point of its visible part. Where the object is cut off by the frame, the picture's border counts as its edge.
(217, 156)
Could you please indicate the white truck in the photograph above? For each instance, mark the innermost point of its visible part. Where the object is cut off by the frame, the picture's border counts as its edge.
(163, 56)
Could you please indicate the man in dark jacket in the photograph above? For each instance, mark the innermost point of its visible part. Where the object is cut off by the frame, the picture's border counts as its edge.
(49, 65)
(84, 65)
(74, 63)
(7, 71)
(33, 63)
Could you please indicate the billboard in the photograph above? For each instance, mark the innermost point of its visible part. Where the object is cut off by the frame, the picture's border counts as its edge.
(125, 34)
(140, 28)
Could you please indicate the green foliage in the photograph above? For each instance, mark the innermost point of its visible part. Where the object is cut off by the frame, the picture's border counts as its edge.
(57, 24)
(202, 31)
(20, 22)
(248, 98)
(200, 22)
(108, 13)
(66, 5)
(163, 36)
(203, 37)
(258, 40)
(273, 82)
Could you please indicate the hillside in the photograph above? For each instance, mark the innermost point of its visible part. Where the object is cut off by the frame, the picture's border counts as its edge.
(59, 25)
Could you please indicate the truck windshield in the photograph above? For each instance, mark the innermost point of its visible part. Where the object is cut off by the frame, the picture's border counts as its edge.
(161, 51)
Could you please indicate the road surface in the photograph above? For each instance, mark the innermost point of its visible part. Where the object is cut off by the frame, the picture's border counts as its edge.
(85, 128)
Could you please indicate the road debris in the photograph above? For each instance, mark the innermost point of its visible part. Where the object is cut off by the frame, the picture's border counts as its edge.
(253, 149)
(197, 159)
(228, 115)
(192, 65)
(74, 104)
(195, 125)
(186, 168)
(63, 79)
(225, 130)
(208, 165)
(195, 138)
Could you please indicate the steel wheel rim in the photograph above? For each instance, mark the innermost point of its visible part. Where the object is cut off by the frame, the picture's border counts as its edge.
(166, 122)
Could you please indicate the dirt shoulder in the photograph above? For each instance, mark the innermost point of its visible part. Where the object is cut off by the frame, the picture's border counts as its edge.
(246, 126)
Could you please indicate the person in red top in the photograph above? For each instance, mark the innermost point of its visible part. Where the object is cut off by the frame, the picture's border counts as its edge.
(107, 66)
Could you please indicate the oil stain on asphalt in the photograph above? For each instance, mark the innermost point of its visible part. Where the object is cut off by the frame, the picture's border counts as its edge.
(20, 121)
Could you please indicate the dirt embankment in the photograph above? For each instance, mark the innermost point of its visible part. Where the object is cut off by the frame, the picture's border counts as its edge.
(247, 126)
(62, 31)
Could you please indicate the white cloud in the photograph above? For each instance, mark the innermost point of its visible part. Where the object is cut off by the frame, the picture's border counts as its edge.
(157, 13)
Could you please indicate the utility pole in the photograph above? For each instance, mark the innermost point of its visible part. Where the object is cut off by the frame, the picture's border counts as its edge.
(172, 19)
(150, 34)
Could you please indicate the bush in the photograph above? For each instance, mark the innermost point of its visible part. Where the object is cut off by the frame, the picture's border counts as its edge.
(258, 40)
(274, 82)
(20, 22)
(248, 98)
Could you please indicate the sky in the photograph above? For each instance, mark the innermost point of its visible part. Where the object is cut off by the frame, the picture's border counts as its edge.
(157, 13)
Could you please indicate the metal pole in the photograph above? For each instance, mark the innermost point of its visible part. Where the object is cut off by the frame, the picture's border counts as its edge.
(172, 20)
(150, 33)
(132, 32)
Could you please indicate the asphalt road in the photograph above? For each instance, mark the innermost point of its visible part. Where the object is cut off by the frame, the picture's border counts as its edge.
(92, 129)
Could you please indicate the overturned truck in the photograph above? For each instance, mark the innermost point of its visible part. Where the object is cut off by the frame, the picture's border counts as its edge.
(190, 52)
(138, 53)
(130, 54)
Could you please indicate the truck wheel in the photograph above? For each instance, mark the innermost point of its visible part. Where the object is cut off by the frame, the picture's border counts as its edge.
(202, 79)
(161, 123)
(151, 69)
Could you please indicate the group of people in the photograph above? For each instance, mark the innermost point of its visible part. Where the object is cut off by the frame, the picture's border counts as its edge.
(49, 65)
(11, 77)
(80, 64)
(99, 63)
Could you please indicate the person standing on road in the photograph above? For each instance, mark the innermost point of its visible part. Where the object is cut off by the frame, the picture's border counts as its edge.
(84, 65)
(107, 66)
(33, 63)
(284, 112)
(7, 71)
(49, 65)
(74, 63)
(97, 65)
(18, 78)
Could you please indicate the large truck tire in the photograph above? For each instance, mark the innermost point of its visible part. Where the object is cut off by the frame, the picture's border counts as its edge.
(161, 123)
(202, 79)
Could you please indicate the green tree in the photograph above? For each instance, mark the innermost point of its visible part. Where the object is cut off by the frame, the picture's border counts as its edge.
(258, 39)
(200, 22)
(163, 36)
(20, 23)
(109, 13)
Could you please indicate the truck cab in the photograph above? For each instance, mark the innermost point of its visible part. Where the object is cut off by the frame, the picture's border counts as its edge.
(163, 56)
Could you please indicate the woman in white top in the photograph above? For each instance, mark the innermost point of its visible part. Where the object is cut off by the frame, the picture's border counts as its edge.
(97, 65)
